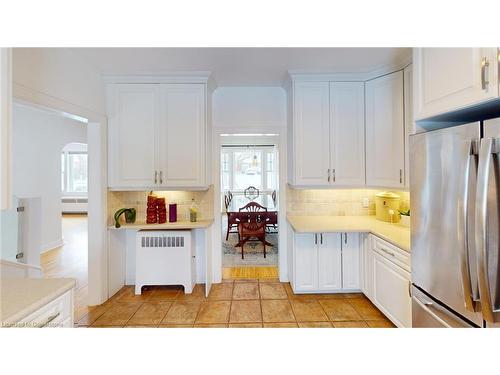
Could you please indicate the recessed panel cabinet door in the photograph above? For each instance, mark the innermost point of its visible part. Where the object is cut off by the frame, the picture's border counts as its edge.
(391, 290)
(305, 262)
(329, 262)
(347, 133)
(132, 124)
(311, 133)
(182, 135)
(385, 131)
(350, 261)
(448, 79)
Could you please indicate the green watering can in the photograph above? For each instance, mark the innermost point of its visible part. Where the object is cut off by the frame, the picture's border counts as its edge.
(130, 214)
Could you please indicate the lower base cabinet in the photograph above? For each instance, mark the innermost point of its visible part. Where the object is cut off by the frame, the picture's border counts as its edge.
(390, 283)
(326, 262)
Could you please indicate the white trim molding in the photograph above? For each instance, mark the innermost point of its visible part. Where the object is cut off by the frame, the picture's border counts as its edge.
(159, 77)
(5, 128)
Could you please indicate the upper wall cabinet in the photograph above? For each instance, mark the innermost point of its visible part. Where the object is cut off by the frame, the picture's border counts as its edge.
(448, 79)
(385, 131)
(157, 135)
(326, 134)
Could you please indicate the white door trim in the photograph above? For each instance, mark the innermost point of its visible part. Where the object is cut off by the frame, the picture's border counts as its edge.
(282, 161)
(97, 196)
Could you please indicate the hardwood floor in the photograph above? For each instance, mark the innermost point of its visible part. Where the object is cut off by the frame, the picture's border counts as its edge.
(71, 260)
(250, 272)
(250, 303)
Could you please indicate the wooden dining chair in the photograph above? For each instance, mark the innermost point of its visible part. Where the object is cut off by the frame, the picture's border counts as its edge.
(272, 222)
(252, 228)
(253, 207)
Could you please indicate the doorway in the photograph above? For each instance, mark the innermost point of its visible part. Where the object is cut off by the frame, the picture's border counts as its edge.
(50, 161)
(249, 181)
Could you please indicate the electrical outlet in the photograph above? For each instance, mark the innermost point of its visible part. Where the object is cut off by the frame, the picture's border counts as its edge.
(365, 202)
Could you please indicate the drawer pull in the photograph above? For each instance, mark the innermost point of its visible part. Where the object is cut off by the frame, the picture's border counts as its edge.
(50, 319)
(388, 252)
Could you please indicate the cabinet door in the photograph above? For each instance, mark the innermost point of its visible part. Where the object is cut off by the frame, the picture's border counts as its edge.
(448, 79)
(182, 135)
(311, 133)
(132, 126)
(385, 131)
(409, 122)
(305, 262)
(350, 261)
(391, 293)
(347, 133)
(329, 262)
(366, 266)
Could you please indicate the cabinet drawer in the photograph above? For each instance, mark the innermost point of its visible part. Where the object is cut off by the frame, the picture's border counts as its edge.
(391, 252)
(52, 314)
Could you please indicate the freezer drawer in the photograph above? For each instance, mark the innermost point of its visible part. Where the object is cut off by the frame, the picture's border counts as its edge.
(427, 313)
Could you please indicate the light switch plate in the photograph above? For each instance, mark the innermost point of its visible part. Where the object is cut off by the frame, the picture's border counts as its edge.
(365, 202)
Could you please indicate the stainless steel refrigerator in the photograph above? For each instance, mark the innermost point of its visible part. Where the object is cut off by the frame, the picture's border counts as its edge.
(455, 217)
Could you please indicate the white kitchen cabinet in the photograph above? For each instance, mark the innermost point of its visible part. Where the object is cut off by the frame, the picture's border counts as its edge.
(391, 281)
(329, 261)
(133, 120)
(385, 131)
(347, 133)
(305, 268)
(410, 127)
(350, 261)
(311, 133)
(182, 135)
(366, 266)
(448, 79)
(323, 263)
(157, 136)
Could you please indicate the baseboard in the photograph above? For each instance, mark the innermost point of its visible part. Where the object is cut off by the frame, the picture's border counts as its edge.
(51, 245)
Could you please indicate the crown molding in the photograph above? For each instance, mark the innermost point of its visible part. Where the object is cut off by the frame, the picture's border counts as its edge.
(159, 77)
(305, 75)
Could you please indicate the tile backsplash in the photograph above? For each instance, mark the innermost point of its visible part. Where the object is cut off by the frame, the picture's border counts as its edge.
(138, 199)
(341, 202)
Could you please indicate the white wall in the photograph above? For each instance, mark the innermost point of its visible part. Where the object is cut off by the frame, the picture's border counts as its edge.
(5, 127)
(59, 73)
(249, 107)
(38, 139)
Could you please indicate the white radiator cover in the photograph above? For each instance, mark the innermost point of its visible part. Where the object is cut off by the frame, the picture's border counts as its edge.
(165, 258)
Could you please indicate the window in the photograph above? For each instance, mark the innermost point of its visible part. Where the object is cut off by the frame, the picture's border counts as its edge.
(74, 167)
(244, 166)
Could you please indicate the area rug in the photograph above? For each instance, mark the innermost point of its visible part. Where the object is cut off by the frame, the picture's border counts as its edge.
(254, 251)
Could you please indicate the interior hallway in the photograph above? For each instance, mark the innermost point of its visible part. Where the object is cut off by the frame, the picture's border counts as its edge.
(71, 260)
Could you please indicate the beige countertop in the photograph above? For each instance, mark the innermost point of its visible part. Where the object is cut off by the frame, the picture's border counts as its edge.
(21, 297)
(141, 225)
(396, 234)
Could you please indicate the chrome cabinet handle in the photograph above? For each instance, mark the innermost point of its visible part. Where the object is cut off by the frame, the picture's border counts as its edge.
(409, 288)
(388, 252)
(156, 177)
(49, 319)
(161, 177)
(334, 175)
(345, 238)
(400, 176)
(484, 77)
(463, 212)
(315, 238)
(321, 236)
(328, 174)
(481, 228)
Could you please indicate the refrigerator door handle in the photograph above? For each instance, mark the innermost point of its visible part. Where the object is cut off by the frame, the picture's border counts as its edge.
(470, 303)
(481, 229)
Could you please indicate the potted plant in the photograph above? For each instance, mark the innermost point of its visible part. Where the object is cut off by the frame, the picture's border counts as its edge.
(405, 217)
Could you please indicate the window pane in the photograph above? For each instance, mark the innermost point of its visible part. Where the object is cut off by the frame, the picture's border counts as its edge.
(77, 173)
(63, 171)
(247, 167)
(225, 171)
(270, 171)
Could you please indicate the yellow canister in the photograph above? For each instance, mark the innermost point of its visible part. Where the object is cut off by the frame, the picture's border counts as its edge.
(384, 202)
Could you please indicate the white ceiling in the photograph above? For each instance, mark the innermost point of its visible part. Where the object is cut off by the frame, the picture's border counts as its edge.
(242, 66)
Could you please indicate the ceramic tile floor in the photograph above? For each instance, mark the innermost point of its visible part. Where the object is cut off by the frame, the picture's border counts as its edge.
(249, 303)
